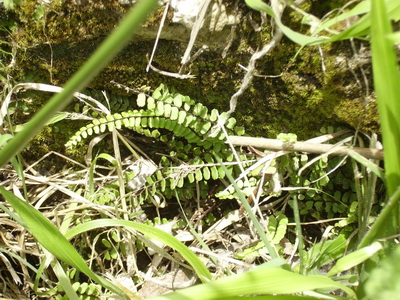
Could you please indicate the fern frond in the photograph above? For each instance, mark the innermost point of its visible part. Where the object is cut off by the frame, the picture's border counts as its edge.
(188, 124)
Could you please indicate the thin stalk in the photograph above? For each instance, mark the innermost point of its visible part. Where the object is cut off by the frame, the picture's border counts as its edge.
(193, 231)
(271, 249)
(299, 232)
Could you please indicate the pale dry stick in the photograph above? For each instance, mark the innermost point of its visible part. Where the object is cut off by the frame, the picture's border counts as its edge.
(230, 218)
(158, 35)
(278, 145)
(57, 154)
(330, 171)
(74, 196)
(10, 269)
(315, 159)
(158, 248)
(79, 116)
(318, 222)
(195, 31)
(273, 155)
(131, 257)
(167, 284)
(72, 182)
(252, 197)
(260, 75)
(127, 89)
(44, 88)
(89, 152)
(120, 174)
(9, 245)
(94, 255)
(132, 147)
(22, 239)
(391, 237)
(294, 250)
(221, 257)
(262, 161)
(171, 74)
(256, 194)
(327, 137)
(39, 199)
(203, 49)
(228, 141)
(270, 205)
(81, 207)
(248, 78)
(232, 163)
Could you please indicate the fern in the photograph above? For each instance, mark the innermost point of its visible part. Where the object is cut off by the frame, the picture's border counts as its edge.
(173, 112)
(178, 121)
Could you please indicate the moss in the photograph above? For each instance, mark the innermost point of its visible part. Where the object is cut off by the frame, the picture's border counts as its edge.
(302, 100)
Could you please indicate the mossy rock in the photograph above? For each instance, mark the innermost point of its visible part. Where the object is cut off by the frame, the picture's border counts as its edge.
(302, 100)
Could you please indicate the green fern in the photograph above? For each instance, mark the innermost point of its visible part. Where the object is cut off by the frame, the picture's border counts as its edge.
(172, 112)
(178, 121)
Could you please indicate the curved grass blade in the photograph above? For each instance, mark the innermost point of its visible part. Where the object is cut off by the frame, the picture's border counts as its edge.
(151, 232)
(355, 258)
(49, 237)
(64, 281)
(259, 281)
(358, 29)
(280, 297)
(260, 230)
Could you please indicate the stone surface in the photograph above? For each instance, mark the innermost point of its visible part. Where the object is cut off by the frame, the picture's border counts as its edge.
(316, 88)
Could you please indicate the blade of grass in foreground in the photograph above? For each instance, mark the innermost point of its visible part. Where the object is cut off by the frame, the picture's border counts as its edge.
(258, 281)
(357, 29)
(387, 87)
(386, 79)
(354, 258)
(103, 55)
(151, 232)
(49, 237)
(280, 297)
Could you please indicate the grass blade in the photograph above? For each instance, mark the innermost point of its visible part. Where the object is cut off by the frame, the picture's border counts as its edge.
(64, 281)
(386, 80)
(258, 281)
(104, 54)
(50, 238)
(355, 258)
(260, 230)
(387, 87)
(368, 164)
(376, 228)
(358, 29)
(151, 232)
